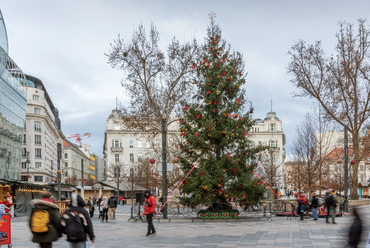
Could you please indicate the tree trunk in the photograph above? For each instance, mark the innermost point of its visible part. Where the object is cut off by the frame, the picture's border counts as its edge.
(356, 149)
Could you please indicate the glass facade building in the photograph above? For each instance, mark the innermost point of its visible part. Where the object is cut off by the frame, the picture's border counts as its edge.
(13, 103)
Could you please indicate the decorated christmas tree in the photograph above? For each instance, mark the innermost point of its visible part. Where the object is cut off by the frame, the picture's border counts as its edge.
(214, 128)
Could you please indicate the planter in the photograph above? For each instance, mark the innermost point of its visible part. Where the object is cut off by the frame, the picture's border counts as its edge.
(219, 215)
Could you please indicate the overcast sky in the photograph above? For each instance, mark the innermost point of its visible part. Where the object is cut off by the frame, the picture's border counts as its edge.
(63, 44)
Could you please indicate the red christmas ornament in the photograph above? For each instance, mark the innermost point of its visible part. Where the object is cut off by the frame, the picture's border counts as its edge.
(229, 114)
(205, 60)
(180, 120)
(235, 116)
(198, 142)
(245, 133)
(198, 116)
(238, 101)
(186, 106)
(235, 69)
(194, 66)
(234, 169)
(219, 180)
(223, 60)
(210, 49)
(228, 155)
(202, 173)
(224, 73)
(152, 161)
(258, 182)
(353, 162)
(180, 146)
(240, 119)
(214, 111)
(243, 196)
(196, 135)
(208, 92)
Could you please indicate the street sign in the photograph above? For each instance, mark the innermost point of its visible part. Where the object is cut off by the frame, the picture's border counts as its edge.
(168, 165)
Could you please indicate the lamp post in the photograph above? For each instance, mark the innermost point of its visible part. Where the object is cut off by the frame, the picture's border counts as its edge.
(28, 165)
(346, 168)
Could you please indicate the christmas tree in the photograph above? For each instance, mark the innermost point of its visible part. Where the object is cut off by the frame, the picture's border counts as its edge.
(214, 129)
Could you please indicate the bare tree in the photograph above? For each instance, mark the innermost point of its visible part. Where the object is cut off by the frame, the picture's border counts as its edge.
(111, 171)
(294, 175)
(305, 152)
(340, 83)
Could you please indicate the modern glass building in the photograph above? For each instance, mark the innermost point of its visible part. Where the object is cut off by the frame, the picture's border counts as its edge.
(13, 103)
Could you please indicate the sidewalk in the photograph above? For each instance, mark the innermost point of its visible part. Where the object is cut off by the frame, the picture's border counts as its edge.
(183, 233)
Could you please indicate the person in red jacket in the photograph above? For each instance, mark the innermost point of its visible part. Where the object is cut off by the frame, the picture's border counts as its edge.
(149, 211)
(302, 201)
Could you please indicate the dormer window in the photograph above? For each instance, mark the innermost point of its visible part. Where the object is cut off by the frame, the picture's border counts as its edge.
(272, 127)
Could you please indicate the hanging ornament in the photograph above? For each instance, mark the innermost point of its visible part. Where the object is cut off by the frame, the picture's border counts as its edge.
(193, 66)
(214, 111)
(224, 115)
(228, 155)
(238, 101)
(198, 142)
(223, 132)
(219, 180)
(208, 92)
(234, 169)
(235, 116)
(224, 73)
(245, 133)
(196, 135)
(194, 82)
(223, 60)
(186, 106)
(198, 116)
(232, 135)
(209, 135)
(180, 120)
(217, 92)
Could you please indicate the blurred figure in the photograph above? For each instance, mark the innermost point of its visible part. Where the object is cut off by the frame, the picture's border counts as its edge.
(121, 200)
(302, 201)
(331, 205)
(62, 198)
(314, 206)
(355, 230)
(104, 205)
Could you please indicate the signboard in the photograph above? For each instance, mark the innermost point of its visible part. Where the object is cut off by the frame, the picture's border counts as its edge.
(5, 238)
(168, 165)
(2, 209)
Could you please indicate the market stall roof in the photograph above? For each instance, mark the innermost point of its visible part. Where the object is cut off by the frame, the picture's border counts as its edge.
(124, 185)
(105, 187)
(65, 188)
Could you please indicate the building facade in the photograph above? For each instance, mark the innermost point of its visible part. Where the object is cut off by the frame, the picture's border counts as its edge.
(269, 132)
(127, 149)
(13, 99)
(42, 135)
(99, 166)
(74, 161)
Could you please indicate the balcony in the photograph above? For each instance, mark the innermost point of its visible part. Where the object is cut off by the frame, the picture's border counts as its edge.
(116, 149)
(275, 149)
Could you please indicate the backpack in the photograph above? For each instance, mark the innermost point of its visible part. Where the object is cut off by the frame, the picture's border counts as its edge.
(74, 228)
(329, 200)
(40, 221)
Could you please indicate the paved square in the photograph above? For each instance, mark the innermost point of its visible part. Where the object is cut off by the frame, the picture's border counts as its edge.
(183, 233)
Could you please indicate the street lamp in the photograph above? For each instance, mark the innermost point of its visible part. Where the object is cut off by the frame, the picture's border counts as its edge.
(28, 165)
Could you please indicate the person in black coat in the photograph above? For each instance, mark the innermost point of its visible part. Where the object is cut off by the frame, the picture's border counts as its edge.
(355, 230)
(314, 205)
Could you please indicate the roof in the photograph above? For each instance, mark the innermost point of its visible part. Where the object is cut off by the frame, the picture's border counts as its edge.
(338, 153)
(67, 143)
(271, 115)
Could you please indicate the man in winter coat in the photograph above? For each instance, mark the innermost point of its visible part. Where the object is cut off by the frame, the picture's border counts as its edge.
(91, 203)
(331, 205)
(45, 231)
(76, 223)
(112, 204)
(149, 211)
(314, 205)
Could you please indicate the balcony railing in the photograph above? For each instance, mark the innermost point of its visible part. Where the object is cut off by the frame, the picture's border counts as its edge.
(116, 149)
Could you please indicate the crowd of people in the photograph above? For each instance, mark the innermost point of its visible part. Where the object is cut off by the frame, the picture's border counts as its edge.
(47, 225)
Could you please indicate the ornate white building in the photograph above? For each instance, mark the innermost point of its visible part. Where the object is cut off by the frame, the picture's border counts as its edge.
(269, 132)
(127, 149)
(42, 135)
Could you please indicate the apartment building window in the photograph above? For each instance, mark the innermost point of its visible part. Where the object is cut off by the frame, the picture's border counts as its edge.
(24, 152)
(272, 143)
(139, 144)
(116, 143)
(272, 127)
(24, 139)
(37, 139)
(362, 167)
(37, 111)
(38, 165)
(65, 164)
(37, 126)
(131, 157)
(38, 178)
(38, 153)
(65, 155)
(116, 157)
(24, 178)
(131, 144)
(36, 98)
(24, 165)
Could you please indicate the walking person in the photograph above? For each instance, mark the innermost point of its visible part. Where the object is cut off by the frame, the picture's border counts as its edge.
(121, 200)
(104, 208)
(76, 223)
(331, 205)
(45, 221)
(314, 205)
(149, 210)
(99, 201)
(355, 231)
(91, 203)
(327, 206)
(112, 204)
(302, 201)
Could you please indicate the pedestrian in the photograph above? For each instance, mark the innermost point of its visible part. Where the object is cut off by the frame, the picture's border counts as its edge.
(45, 221)
(112, 204)
(91, 203)
(104, 208)
(331, 206)
(76, 223)
(314, 205)
(302, 201)
(149, 211)
(355, 230)
(99, 201)
(62, 198)
(52, 199)
(121, 200)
